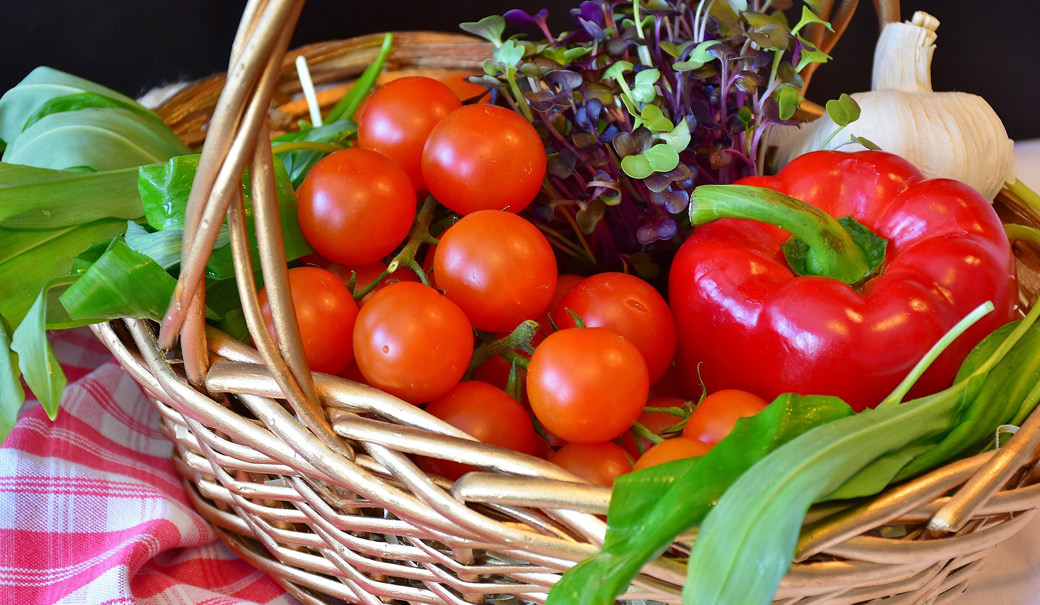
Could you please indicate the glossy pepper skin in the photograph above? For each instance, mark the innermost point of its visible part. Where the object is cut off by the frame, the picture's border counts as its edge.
(751, 324)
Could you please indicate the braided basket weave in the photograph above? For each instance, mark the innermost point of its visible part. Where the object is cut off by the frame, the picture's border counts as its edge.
(325, 497)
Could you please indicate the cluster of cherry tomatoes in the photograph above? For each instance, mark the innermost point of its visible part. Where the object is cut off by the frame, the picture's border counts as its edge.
(595, 363)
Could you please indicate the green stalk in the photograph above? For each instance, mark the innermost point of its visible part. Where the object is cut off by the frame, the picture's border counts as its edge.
(346, 106)
(832, 252)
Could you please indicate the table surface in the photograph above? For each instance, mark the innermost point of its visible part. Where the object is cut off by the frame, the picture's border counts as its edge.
(66, 490)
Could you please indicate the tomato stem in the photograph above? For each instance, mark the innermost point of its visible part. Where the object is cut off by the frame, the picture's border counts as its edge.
(418, 236)
(517, 340)
(831, 250)
(639, 430)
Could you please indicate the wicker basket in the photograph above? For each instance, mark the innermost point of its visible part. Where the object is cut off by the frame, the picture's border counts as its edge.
(325, 498)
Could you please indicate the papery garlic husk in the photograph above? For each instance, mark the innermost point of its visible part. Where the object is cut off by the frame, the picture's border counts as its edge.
(953, 135)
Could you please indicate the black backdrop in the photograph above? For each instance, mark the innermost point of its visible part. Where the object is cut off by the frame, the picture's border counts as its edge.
(988, 48)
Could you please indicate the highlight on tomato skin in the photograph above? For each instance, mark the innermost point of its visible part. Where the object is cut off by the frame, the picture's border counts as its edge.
(598, 463)
(326, 314)
(412, 342)
(488, 414)
(587, 384)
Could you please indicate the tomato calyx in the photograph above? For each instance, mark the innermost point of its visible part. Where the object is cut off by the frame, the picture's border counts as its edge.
(508, 346)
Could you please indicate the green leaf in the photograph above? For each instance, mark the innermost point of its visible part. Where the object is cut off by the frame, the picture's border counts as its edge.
(637, 166)
(650, 507)
(22, 277)
(746, 116)
(788, 98)
(698, 57)
(12, 396)
(654, 119)
(41, 85)
(643, 90)
(810, 55)
(678, 138)
(122, 283)
(300, 161)
(590, 216)
(36, 359)
(844, 110)
(738, 6)
(345, 107)
(490, 28)
(87, 100)
(808, 16)
(42, 198)
(509, 53)
(864, 141)
(617, 71)
(19, 241)
(101, 139)
(673, 49)
(662, 157)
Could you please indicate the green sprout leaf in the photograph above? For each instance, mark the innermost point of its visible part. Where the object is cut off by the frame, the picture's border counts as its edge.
(654, 119)
(698, 57)
(810, 55)
(808, 16)
(490, 28)
(844, 110)
(676, 50)
(509, 53)
(788, 98)
(637, 166)
(864, 141)
(662, 157)
(678, 138)
(643, 91)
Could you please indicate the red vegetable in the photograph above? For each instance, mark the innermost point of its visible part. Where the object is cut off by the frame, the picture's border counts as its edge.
(838, 327)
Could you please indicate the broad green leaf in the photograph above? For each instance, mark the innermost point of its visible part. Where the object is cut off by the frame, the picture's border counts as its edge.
(299, 162)
(41, 85)
(101, 139)
(36, 359)
(164, 247)
(87, 100)
(122, 283)
(42, 198)
(18, 241)
(844, 110)
(490, 28)
(22, 277)
(650, 507)
(12, 396)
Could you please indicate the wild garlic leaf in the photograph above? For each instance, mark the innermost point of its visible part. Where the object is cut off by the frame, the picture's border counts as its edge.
(36, 359)
(299, 162)
(12, 396)
(100, 139)
(43, 198)
(121, 283)
(41, 85)
(86, 100)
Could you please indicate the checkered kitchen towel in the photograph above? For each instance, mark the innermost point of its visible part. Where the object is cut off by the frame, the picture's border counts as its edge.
(92, 509)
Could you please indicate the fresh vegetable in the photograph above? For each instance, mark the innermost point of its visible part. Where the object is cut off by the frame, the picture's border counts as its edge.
(639, 104)
(628, 305)
(654, 422)
(483, 157)
(670, 450)
(487, 413)
(945, 134)
(412, 342)
(598, 463)
(587, 384)
(356, 206)
(716, 415)
(325, 312)
(399, 117)
(843, 320)
(497, 267)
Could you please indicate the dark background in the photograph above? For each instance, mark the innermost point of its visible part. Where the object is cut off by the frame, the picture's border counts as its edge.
(988, 48)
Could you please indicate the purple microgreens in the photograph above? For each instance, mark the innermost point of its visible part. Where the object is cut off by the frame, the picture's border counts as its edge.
(640, 103)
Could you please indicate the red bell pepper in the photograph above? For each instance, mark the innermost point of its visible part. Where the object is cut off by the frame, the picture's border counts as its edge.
(835, 325)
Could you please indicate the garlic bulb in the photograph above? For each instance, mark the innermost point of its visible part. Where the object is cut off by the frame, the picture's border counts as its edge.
(945, 134)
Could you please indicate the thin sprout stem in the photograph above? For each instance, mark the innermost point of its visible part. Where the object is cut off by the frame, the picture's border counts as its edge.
(1024, 193)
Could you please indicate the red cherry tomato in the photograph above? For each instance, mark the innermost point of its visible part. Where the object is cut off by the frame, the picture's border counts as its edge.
(654, 421)
(400, 115)
(672, 449)
(587, 384)
(487, 413)
(629, 305)
(366, 274)
(497, 267)
(564, 283)
(465, 89)
(412, 342)
(484, 157)
(325, 312)
(718, 413)
(598, 463)
(356, 206)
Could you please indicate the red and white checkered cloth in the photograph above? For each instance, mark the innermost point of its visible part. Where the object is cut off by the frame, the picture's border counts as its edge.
(92, 509)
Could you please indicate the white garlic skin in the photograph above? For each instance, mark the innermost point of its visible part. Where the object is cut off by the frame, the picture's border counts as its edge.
(953, 135)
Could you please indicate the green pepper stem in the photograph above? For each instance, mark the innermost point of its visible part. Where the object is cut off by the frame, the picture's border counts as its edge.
(832, 253)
